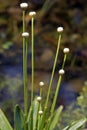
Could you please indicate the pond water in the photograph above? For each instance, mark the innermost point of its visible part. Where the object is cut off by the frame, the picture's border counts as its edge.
(11, 66)
(11, 81)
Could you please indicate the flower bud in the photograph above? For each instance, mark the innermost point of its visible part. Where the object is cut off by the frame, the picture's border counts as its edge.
(40, 112)
(61, 71)
(25, 34)
(39, 99)
(66, 50)
(41, 83)
(24, 5)
(60, 29)
(32, 13)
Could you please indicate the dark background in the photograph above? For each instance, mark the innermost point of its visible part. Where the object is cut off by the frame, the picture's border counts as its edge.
(72, 15)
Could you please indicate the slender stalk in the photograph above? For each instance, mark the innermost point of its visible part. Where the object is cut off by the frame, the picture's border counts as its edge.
(23, 19)
(58, 85)
(25, 49)
(38, 125)
(40, 91)
(24, 71)
(24, 65)
(39, 117)
(39, 120)
(64, 60)
(53, 70)
(56, 94)
(32, 41)
(26, 82)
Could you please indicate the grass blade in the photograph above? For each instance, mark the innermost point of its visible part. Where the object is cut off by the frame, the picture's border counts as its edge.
(76, 125)
(18, 119)
(35, 113)
(54, 119)
(4, 123)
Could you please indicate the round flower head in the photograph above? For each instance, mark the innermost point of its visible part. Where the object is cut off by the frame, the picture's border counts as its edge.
(40, 112)
(41, 83)
(39, 98)
(25, 34)
(66, 50)
(32, 13)
(24, 5)
(61, 71)
(60, 29)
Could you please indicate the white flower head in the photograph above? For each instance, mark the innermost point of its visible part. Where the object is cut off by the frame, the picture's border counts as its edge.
(41, 83)
(39, 98)
(25, 34)
(61, 71)
(40, 112)
(24, 5)
(32, 13)
(60, 29)
(66, 50)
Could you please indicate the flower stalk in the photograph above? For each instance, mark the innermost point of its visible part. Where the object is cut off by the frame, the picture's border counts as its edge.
(32, 14)
(59, 30)
(61, 72)
(25, 35)
(66, 51)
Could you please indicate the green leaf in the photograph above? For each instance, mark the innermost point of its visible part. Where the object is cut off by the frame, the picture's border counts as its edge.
(76, 125)
(30, 119)
(54, 118)
(4, 123)
(66, 128)
(18, 119)
(35, 113)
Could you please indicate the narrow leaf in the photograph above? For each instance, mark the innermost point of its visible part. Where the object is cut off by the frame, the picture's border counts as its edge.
(30, 119)
(78, 124)
(4, 123)
(35, 113)
(54, 118)
(18, 119)
(66, 128)
(75, 125)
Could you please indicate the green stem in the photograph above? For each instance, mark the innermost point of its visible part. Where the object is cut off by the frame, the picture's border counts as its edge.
(32, 41)
(25, 73)
(64, 60)
(38, 125)
(53, 70)
(23, 19)
(26, 82)
(39, 117)
(24, 64)
(58, 85)
(56, 94)
(39, 120)
(40, 91)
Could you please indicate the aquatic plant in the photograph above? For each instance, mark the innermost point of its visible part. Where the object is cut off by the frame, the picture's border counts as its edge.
(35, 117)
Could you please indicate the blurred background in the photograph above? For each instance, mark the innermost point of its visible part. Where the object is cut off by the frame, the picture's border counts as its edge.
(72, 15)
